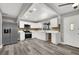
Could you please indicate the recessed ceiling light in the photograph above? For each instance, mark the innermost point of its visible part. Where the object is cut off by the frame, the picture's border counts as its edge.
(34, 9)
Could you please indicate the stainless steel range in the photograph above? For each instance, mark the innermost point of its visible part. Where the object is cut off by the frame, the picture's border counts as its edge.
(28, 34)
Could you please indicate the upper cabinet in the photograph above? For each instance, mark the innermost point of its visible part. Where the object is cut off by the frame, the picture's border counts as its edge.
(21, 24)
(36, 25)
(54, 22)
(32, 25)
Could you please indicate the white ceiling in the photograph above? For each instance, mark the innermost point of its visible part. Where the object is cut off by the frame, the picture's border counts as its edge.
(63, 9)
(66, 8)
(38, 11)
(11, 9)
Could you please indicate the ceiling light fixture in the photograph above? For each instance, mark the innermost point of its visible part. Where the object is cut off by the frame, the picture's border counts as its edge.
(32, 10)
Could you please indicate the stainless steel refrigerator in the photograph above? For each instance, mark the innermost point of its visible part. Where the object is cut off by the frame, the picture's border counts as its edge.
(9, 33)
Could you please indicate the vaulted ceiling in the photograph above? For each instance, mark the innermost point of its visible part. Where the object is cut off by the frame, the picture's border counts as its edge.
(38, 12)
(35, 11)
(64, 8)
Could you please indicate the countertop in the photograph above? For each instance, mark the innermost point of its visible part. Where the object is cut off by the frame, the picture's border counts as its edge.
(42, 31)
(45, 31)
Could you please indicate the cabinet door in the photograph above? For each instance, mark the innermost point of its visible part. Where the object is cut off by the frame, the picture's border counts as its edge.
(54, 22)
(56, 38)
(36, 25)
(39, 35)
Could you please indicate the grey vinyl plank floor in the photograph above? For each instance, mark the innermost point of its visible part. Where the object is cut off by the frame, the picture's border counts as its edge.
(37, 47)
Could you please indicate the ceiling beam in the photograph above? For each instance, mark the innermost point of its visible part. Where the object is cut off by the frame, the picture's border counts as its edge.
(53, 7)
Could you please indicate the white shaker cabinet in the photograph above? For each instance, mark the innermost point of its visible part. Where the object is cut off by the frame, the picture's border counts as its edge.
(36, 25)
(54, 22)
(56, 38)
(39, 35)
(22, 35)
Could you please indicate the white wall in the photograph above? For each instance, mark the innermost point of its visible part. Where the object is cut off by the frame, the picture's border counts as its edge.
(71, 37)
(0, 28)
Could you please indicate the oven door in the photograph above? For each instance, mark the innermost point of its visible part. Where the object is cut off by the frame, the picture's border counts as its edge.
(28, 35)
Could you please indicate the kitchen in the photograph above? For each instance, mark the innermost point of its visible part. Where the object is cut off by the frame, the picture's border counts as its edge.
(41, 32)
(40, 27)
(31, 29)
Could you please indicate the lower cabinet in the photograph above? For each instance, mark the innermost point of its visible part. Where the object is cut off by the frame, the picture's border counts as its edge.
(55, 38)
(22, 35)
(39, 35)
(50, 37)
